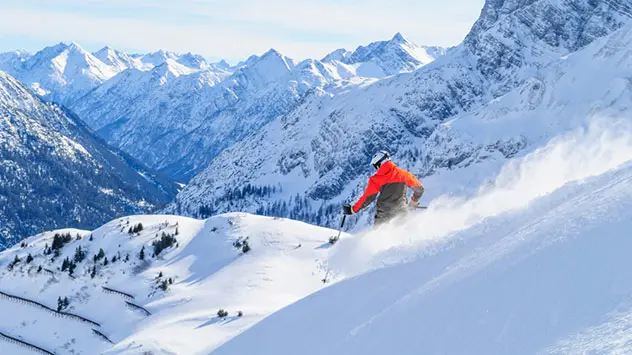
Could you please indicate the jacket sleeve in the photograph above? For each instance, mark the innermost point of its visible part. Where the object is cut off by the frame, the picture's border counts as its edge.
(368, 197)
(415, 185)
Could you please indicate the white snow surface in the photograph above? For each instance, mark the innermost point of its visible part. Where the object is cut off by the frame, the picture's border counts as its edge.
(535, 263)
(208, 273)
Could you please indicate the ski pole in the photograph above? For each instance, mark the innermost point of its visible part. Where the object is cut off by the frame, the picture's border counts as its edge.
(342, 224)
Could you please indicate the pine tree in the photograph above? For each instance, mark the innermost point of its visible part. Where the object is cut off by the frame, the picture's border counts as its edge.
(29, 258)
(71, 268)
(39, 269)
(14, 262)
(80, 255)
(64, 264)
(105, 261)
(60, 304)
(66, 302)
(170, 281)
(246, 247)
(141, 256)
(163, 285)
(160, 274)
(94, 272)
(101, 254)
(222, 313)
(91, 238)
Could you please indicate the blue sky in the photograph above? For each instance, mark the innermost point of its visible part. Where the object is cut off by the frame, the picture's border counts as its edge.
(232, 29)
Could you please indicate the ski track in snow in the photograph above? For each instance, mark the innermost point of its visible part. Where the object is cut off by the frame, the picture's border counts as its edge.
(544, 278)
(588, 151)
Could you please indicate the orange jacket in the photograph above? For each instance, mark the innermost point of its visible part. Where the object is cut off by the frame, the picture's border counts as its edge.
(391, 183)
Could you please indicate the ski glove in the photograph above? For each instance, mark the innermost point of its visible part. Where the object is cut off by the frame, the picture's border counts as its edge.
(347, 210)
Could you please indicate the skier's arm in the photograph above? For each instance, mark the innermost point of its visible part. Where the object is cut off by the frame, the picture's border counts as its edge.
(416, 186)
(368, 197)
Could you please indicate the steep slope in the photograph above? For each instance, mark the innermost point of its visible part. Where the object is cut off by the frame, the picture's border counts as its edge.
(207, 271)
(56, 172)
(535, 263)
(380, 59)
(459, 110)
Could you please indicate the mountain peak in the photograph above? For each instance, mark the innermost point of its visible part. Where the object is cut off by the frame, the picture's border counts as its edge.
(337, 55)
(398, 38)
(74, 46)
(106, 49)
(272, 52)
(222, 65)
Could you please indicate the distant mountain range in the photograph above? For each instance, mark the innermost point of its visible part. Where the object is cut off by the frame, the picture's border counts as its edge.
(176, 112)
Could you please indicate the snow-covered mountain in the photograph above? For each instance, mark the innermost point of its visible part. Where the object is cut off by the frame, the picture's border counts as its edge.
(12, 61)
(177, 120)
(61, 73)
(64, 73)
(510, 86)
(118, 60)
(166, 303)
(167, 110)
(385, 58)
(190, 60)
(56, 172)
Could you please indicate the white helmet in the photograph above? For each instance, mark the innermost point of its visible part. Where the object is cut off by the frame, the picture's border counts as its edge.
(379, 158)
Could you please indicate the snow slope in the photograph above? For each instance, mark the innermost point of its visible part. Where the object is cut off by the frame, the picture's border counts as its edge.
(536, 263)
(208, 273)
(510, 87)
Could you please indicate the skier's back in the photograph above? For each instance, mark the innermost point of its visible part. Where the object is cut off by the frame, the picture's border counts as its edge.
(389, 185)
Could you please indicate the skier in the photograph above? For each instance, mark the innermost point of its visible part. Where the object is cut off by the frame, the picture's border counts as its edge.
(390, 183)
